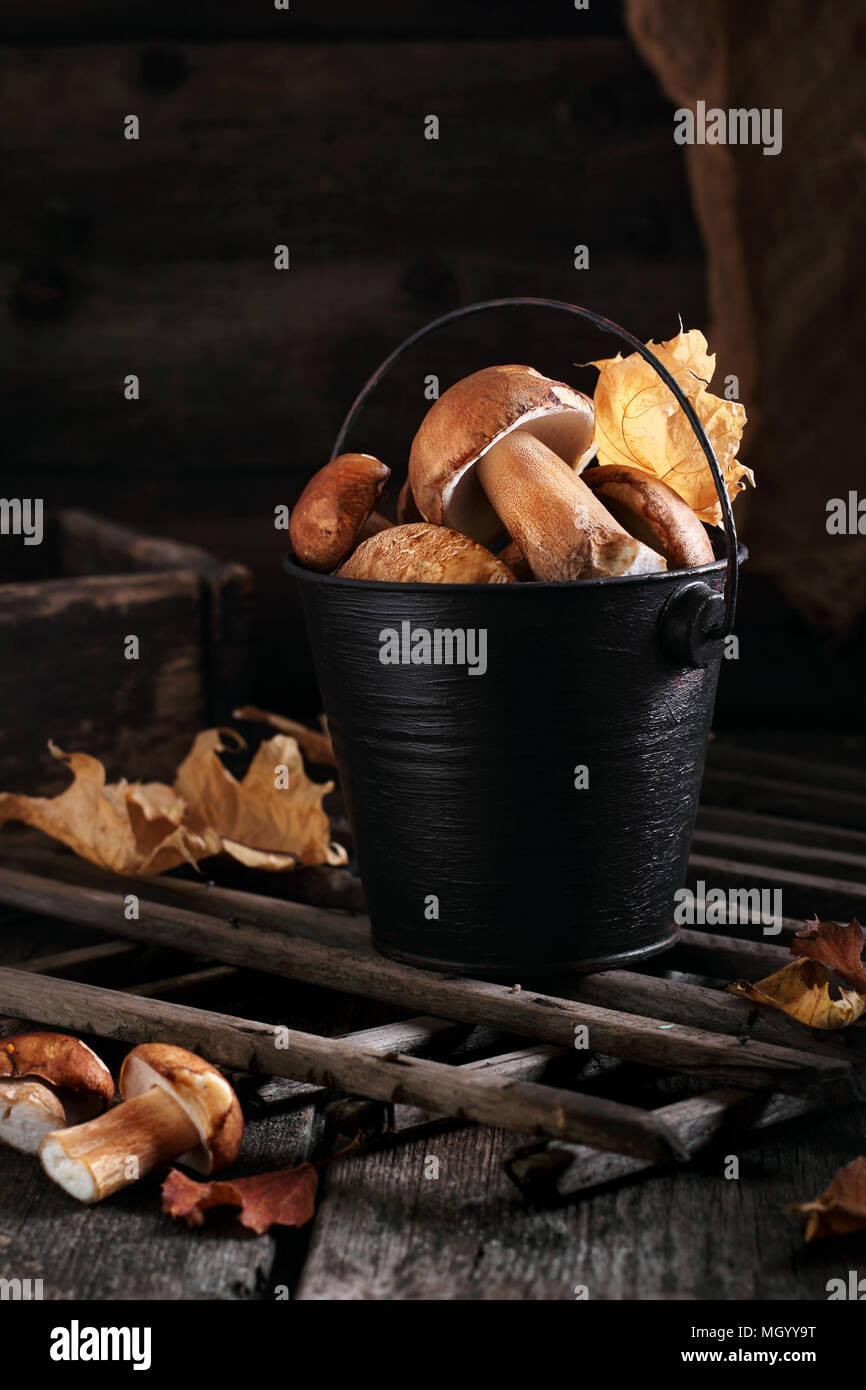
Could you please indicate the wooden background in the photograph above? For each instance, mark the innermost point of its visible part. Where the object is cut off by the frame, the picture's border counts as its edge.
(306, 128)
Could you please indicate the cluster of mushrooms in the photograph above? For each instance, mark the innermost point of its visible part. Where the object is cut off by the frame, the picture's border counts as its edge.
(56, 1099)
(497, 493)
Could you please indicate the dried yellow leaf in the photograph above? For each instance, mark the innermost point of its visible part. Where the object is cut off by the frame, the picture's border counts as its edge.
(126, 827)
(638, 421)
(272, 818)
(802, 990)
(839, 1210)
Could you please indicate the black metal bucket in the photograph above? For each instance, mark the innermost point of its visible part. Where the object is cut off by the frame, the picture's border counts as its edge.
(535, 814)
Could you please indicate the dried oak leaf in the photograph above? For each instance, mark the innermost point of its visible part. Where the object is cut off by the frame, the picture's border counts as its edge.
(283, 1198)
(842, 1208)
(126, 827)
(638, 421)
(272, 818)
(316, 743)
(836, 946)
(802, 990)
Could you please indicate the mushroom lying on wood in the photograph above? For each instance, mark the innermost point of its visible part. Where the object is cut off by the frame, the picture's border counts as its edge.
(653, 512)
(175, 1106)
(421, 553)
(336, 509)
(48, 1080)
(483, 431)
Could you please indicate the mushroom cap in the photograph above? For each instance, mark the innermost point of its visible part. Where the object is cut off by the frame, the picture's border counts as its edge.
(333, 507)
(28, 1110)
(423, 554)
(652, 512)
(61, 1061)
(461, 426)
(201, 1091)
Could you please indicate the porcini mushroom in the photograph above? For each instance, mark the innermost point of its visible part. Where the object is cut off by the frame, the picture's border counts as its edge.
(562, 529)
(48, 1080)
(653, 512)
(334, 509)
(421, 553)
(474, 414)
(477, 464)
(175, 1106)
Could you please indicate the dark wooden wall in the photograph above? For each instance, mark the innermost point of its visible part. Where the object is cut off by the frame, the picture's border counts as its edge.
(305, 127)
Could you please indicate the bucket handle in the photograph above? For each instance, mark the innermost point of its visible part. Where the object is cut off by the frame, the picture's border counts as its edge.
(696, 627)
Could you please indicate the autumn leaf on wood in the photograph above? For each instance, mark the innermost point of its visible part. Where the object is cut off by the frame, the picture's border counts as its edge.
(283, 1198)
(839, 1210)
(273, 818)
(836, 946)
(802, 990)
(315, 743)
(639, 422)
(126, 827)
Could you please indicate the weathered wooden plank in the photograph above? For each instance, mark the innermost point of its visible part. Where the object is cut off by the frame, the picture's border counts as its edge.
(548, 1171)
(241, 107)
(53, 21)
(808, 893)
(356, 967)
(393, 1225)
(247, 1045)
(306, 134)
(764, 827)
(71, 676)
(777, 796)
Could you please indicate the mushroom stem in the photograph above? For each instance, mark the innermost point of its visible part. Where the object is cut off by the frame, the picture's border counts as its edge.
(28, 1110)
(375, 523)
(93, 1160)
(563, 531)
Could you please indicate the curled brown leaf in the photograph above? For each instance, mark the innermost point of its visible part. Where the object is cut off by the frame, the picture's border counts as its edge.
(286, 1197)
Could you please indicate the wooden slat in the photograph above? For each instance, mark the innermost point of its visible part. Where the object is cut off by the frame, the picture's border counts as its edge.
(765, 827)
(247, 1045)
(767, 850)
(777, 796)
(554, 1170)
(356, 968)
(741, 874)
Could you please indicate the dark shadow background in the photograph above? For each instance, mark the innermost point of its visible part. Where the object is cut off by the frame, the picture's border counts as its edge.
(305, 128)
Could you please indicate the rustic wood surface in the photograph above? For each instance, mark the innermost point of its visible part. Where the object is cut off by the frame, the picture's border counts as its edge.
(392, 1224)
(331, 952)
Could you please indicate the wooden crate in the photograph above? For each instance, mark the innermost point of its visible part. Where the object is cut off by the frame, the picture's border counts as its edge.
(67, 607)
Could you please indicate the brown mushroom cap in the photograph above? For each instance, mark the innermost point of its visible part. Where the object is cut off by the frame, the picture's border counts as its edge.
(201, 1091)
(62, 1061)
(652, 512)
(421, 553)
(471, 416)
(333, 507)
